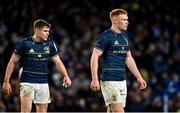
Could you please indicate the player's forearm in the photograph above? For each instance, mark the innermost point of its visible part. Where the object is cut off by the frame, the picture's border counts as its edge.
(94, 67)
(9, 70)
(61, 68)
(133, 68)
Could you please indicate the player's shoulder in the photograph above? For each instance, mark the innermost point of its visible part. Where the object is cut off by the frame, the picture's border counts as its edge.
(27, 40)
(105, 33)
(23, 40)
(49, 40)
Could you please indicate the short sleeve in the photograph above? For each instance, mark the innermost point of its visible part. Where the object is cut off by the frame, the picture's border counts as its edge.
(53, 48)
(101, 42)
(19, 48)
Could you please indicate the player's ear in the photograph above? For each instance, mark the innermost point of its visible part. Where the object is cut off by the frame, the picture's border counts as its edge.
(35, 30)
(114, 20)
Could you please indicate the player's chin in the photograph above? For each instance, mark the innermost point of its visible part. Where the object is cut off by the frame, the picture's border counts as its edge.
(125, 28)
(45, 39)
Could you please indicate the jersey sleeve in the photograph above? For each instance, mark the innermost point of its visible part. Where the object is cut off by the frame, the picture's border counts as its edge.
(54, 50)
(19, 48)
(101, 42)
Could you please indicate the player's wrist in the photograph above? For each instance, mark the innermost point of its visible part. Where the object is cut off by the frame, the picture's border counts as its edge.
(94, 79)
(6, 81)
(139, 78)
(65, 76)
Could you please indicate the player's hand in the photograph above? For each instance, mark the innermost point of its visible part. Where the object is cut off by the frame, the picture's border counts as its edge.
(66, 81)
(95, 85)
(6, 88)
(142, 83)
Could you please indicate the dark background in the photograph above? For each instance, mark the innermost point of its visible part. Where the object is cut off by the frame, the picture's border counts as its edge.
(155, 42)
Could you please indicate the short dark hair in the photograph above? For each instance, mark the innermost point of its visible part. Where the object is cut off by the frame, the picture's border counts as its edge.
(41, 23)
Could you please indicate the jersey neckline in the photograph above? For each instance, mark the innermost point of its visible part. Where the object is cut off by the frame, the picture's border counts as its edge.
(34, 40)
(114, 32)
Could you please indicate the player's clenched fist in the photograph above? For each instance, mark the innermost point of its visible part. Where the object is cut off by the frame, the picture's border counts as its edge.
(95, 85)
(6, 88)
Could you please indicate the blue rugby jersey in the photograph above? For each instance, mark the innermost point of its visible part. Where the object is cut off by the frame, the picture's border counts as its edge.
(35, 56)
(114, 47)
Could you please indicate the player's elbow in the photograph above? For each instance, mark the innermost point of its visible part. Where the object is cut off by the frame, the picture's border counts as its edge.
(12, 62)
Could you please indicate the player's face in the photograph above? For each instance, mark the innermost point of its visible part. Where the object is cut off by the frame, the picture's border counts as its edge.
(43, 33)
(122, 22)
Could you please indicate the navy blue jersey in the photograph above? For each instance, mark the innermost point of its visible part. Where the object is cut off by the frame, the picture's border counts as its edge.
(114, 47)
(35, 56)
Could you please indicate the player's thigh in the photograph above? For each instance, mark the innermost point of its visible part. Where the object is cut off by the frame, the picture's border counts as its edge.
(26, 96)
(111, 93)
(123, 89)
(42, 94)
(26, 104)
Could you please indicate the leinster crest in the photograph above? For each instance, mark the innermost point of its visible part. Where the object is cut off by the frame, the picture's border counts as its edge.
(46, 49)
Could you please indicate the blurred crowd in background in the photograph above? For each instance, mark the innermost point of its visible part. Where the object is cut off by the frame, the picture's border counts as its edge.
(153, 31)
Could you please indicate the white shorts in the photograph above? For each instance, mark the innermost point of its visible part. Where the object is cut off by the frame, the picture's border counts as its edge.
(38, 92)
(114, 92)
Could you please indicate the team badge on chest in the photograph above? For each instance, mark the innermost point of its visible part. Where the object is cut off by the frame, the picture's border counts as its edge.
(46, 49)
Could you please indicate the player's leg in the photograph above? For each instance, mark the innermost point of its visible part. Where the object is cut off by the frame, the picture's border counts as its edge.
(108, 109)
(41, 97)
(26, 104)
(117, 107)
(41, 107)
(26, 96)
(114, 96)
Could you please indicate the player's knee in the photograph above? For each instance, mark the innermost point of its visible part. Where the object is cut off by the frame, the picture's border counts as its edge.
(25, 110)
(116, 108)
(41, 107)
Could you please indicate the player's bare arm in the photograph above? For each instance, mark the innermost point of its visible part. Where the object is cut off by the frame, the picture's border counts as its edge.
(94, 69)
(62, 70)
(133, 68)
(10, 67)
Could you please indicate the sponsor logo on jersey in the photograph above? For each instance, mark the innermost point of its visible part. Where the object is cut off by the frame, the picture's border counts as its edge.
(39, 56)
(116, 43)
